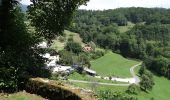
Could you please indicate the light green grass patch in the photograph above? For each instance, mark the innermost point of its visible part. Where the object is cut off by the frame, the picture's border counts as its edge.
(57, 45)
(123, 29)
(23, 96)
(112, 64)
(77, 76)
(160, 91)
(97, 87)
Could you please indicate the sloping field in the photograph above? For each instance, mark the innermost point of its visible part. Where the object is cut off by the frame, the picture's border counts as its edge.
(112, 64)
(58, 45)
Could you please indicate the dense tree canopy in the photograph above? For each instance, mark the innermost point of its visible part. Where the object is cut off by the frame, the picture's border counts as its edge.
(19, 55)
(148, 39)
(50, 17)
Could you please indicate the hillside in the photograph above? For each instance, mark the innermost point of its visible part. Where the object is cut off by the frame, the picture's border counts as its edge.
(112, 64)
(59, 44)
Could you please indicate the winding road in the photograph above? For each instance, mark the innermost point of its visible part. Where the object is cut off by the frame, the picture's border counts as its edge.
(135, 79)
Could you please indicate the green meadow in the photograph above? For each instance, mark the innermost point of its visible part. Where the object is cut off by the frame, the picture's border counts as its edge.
(112, 64)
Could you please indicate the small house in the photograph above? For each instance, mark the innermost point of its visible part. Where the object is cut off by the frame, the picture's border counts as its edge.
(87, 48)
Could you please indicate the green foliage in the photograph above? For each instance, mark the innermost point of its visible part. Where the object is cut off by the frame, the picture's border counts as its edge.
(19, 56)
(69, 58)
(51, 17)
(61, 39)
(111, 63)
(142, 70)
(66, 57)
(97, 54)
(133, 89)
(147, 82)
(108, 95)
(160, 65)
(73, 47)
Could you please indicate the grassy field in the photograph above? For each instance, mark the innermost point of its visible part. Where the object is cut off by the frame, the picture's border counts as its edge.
(58, 45)
(112, 64)
(21, 96)
(77, 76)
(97, 87)
(123, 29)
(161, 90)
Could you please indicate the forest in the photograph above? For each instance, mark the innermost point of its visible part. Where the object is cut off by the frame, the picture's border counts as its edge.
(148, 39)
(128, 33)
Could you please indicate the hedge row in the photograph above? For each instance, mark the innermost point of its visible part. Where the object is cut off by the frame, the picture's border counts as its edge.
(53, 90)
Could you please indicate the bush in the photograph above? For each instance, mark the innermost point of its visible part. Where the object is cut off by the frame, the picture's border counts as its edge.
(97, 54)
(109, 95)
(61, 39)
(133, 89)
(73, 47)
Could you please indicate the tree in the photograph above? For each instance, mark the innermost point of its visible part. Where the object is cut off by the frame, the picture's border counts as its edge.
(66, 57)
(133, 89)
(142, 70)
(146, 83)
(19, 56)
(51, 17)
(84, 60)
(73, 47)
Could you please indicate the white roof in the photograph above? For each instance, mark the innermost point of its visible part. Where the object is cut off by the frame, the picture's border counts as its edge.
(47, 55)
(61, 68)
(42, 45)
(90, 71)
(52, 63)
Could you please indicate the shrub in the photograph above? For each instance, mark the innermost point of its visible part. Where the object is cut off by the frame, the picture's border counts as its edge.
(73, 47)
(133, 89)
(109, 95)
(61, 39)
(97, 54)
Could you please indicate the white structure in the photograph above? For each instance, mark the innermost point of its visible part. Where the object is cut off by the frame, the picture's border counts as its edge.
(47, 55)
(52, 59)
(61, 69)
(89, 71)
(42, 45)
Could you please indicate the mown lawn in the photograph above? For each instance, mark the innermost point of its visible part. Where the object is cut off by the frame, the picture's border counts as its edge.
(161, 90)
(112, 64)
(97, 87)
